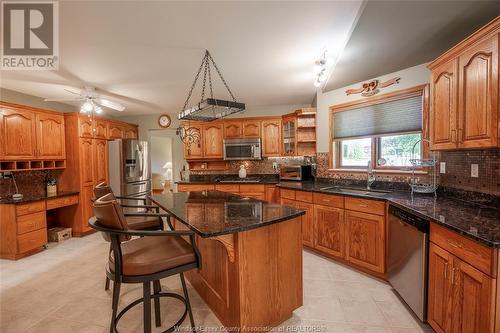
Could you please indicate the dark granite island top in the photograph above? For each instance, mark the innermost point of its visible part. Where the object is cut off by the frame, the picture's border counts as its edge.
(227, 213)
(251, 254)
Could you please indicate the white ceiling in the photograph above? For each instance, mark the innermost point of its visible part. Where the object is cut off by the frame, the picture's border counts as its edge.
(393, 35)
(145, 54)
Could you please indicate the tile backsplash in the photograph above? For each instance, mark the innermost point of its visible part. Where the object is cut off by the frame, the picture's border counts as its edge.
(264, 166)
(32, 182)
(458, 170)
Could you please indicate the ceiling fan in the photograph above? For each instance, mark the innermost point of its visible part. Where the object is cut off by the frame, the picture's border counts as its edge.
(91, 101)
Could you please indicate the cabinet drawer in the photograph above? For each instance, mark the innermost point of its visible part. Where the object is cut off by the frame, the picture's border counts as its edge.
(365, 205)
(61, 202)
(228, 188)
(31, 207)
(31, 222)
(303, 196)
(188, 188)
(31, 240)
(328, 200)
(259, 196)
(473, 253)
(252, 188)
(287, 194)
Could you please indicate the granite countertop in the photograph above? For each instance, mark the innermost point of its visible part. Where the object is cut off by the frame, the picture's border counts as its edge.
(474, 220)
(214, 213)
(30, 197)
(231, 179)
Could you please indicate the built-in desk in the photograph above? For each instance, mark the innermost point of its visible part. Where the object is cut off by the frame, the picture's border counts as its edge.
(23, 223)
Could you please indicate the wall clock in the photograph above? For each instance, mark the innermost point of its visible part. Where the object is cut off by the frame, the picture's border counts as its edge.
(164, 121)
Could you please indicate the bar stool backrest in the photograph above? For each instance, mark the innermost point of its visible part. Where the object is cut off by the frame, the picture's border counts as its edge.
(109, 213)
(102, 189)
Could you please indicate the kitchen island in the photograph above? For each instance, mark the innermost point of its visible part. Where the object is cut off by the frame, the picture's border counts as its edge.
(251, 274)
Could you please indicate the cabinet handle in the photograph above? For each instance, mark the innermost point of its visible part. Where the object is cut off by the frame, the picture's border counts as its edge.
(453, 136)
(460, 135)
(455, 244)
(363, 205)
(453, 276)
(445, 271)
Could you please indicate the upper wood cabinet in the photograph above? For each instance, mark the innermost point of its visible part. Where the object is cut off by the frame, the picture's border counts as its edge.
(271, 137)
(50, 136)
(464, 93)
(115, 131)
(365, 240)
(86, 148)
(443, 110)
(232, 129)
(130, 132)
(100, 129)
(289, 137)
(194, 151)
(478, 95)
(18, 132)
(250, 128)
(85, 127)
(212, 140)
(100, 154)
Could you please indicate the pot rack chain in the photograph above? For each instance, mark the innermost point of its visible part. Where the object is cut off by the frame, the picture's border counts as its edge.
(205, 65)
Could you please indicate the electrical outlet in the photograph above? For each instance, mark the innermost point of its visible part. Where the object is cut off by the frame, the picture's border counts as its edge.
(474, 170)
(442, 167)
(275, 165)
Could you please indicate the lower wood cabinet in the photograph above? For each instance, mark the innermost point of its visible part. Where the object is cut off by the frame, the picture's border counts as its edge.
(462, 288)
(329, 230)
(307, 222)
(365, 240)
(460, 297)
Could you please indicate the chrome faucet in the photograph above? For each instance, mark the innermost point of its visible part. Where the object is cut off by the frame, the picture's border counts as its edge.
(371, 177)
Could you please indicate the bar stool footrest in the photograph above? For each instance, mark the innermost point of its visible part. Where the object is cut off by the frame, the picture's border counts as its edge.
(154, 296)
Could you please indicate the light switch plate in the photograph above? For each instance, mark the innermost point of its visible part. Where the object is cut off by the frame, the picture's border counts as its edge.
(474, 170)
(442, 167)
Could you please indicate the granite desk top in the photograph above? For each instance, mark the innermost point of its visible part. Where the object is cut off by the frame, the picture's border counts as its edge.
(214, 213)
(30, 197)
(476, 221)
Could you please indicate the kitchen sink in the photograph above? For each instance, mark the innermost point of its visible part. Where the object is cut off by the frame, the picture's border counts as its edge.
(355, 190)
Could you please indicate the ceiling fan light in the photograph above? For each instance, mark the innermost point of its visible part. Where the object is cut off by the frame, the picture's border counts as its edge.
(317, 83)
(87, 106)
(98, 109)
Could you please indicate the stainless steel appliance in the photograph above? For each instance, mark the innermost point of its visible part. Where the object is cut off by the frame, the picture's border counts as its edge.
(296, 172)
(129, 167)
(242, 149)
(408, 258)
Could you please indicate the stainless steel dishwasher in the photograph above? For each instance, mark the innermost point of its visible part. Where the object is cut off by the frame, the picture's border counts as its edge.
(408, 258)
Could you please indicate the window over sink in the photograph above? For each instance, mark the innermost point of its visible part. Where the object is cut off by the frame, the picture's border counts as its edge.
(381, 131)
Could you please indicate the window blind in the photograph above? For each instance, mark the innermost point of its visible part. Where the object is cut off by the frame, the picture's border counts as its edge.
(402, 115)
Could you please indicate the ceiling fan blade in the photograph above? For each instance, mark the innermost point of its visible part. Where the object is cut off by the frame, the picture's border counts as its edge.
(112, 105)
(63, 99)
(72, 92)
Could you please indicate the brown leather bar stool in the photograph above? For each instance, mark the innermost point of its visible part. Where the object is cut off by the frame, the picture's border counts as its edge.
(139, 217)
(153, 256)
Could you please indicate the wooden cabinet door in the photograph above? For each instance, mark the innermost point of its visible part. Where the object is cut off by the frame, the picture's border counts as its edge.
(115, 131)
(443, 111)
(329, 230)
(272, 194)
(130, 132)
(50, 136)
(472, 299)
(85, 127)
(478, 95)
(250, 128)
(289, 137)
(212, 140)
(232, 129)
(18, 134)
(439, 310)
(307, 222)
(194, 150)
(100, 152)
(101, 129)
(87, 208)
(365, 240)
(86, 161)
(271, 137)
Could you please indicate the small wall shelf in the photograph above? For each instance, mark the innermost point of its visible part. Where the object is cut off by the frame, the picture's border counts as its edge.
(28, 165)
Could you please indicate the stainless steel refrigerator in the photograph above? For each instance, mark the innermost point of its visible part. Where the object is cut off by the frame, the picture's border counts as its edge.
(129, 167)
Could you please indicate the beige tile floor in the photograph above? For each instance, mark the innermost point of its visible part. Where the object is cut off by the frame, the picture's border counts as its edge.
(61, 290)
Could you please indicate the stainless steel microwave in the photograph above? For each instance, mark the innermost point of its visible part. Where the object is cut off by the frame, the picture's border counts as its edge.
(242, 149)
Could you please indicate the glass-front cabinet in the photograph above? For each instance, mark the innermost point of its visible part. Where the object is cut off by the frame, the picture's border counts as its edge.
(289, 138)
